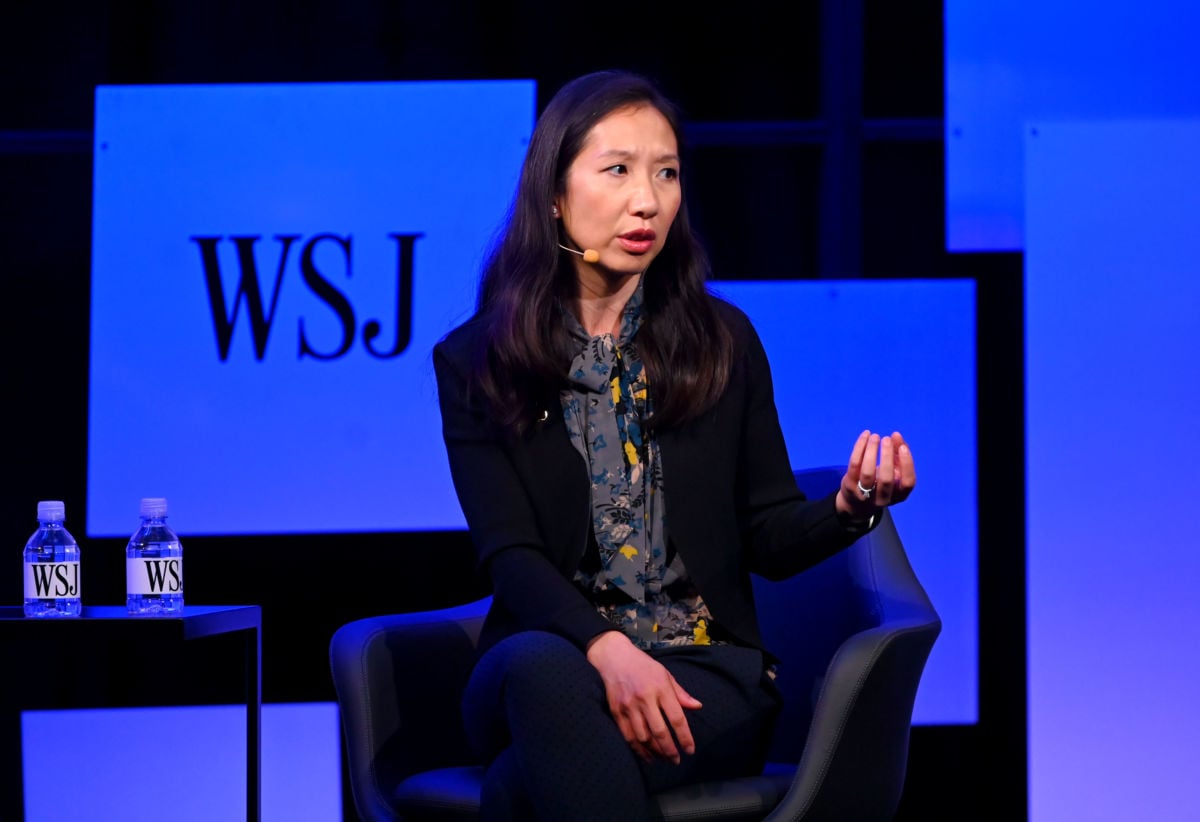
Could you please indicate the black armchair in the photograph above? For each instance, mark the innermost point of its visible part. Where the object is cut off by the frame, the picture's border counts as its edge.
(854, 634)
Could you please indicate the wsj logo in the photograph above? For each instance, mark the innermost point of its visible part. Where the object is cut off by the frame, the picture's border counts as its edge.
(55, 579)
(261, 315)
(163, 576)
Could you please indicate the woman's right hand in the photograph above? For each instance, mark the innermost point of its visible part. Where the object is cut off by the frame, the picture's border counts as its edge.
(644, 698)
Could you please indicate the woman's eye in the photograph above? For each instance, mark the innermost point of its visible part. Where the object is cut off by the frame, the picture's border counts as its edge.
(619, 168)
(669, 173)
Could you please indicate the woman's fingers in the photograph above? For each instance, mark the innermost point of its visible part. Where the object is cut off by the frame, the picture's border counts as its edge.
(885, 476)
(647, 727)
(880, 473)
(860, 473)
(662, 741)
(857, 454)
(642, 749)
(905, 469)
(868, 472)
(673, 711)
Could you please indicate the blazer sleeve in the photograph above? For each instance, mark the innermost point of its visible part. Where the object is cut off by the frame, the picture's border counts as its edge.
(501, 518)
(785, 533)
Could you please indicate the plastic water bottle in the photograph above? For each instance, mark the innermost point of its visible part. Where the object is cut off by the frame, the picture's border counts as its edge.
(52, 566)
(154, 564)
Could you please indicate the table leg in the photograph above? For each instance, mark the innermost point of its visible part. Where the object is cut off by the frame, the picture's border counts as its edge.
(253, 642)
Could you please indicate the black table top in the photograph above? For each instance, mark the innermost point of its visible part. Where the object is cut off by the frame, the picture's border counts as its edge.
(194, 621)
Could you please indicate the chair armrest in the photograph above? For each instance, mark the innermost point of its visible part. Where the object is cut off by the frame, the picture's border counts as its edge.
(856, 752)
(399, 680)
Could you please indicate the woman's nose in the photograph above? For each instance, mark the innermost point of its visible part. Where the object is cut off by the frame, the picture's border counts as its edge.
(644, 201)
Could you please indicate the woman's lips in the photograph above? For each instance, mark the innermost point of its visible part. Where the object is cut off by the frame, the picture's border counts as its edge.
(637, 242)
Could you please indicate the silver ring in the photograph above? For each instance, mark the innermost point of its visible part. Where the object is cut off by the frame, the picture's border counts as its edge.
(866, 492)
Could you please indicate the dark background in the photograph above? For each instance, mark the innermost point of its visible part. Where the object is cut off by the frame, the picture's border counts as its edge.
(816, 137)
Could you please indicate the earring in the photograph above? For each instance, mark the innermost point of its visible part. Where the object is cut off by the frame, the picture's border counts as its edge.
(554, 210)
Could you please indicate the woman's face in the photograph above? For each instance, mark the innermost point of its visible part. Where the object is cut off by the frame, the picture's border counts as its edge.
(622, 191)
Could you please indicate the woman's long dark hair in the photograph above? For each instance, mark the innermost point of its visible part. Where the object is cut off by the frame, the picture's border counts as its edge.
(687, 349)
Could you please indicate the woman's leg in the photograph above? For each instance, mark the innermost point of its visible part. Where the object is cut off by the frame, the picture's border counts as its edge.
(535, 709)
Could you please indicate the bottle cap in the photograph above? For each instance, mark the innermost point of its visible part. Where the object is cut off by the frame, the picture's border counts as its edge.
(153, 507)
(52, 510)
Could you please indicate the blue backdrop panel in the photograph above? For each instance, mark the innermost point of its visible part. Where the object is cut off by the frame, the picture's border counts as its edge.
(271, 267)
(891, 356)
(1112, 320)
(187, 763)
(1011, 63)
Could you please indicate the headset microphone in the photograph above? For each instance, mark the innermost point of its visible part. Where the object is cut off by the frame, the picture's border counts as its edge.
(590, 255)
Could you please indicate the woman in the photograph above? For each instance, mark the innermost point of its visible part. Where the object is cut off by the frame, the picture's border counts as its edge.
(614, 443)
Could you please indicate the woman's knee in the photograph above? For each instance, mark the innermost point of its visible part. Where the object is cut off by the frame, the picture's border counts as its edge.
(532, 675)
(541, 665)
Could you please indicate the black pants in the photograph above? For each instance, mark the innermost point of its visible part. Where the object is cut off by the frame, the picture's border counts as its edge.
(535, 709)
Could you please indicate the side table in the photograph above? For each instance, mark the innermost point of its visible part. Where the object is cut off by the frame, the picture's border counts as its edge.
(26, 643)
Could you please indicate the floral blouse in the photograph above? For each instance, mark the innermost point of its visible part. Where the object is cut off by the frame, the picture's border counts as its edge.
(629, 572)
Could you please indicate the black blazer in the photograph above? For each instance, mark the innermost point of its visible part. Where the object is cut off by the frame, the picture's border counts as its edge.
(733, 507)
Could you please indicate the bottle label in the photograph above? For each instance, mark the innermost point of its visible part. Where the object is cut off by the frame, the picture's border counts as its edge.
(154, 575)
(52, 580)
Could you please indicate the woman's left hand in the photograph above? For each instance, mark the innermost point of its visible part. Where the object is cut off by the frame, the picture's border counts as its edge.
(880, 474)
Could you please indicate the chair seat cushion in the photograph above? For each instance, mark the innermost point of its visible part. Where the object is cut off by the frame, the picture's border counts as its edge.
(452, 795)
(747, 799)
(449, 794)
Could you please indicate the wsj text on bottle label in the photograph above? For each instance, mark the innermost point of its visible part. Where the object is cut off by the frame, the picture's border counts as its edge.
(51, 580)
(154, 575)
